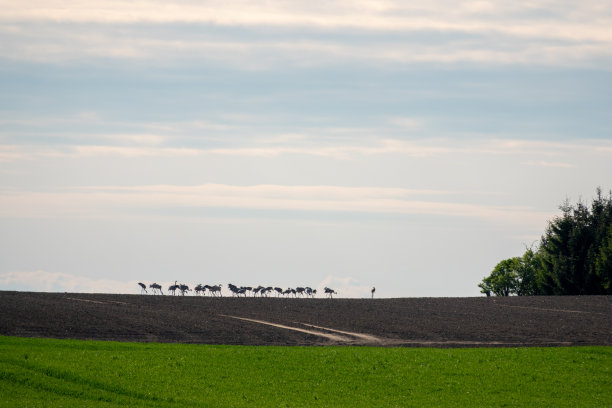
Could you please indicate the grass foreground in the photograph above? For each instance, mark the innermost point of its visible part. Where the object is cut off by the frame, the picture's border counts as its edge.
(69, 373)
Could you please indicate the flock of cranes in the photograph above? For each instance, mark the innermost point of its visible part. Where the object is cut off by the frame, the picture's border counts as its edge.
(215, 290)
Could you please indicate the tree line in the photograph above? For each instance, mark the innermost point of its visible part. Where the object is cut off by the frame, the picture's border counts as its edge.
(573, 256)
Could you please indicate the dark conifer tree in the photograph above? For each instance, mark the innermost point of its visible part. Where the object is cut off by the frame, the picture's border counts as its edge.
(574, 256)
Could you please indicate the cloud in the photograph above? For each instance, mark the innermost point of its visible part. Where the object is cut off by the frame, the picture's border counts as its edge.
(586, 19)
(406, 123)
(255, 53)
(538, 152)
(144, 146)
(238, 33)
(137, 138)
(129, 151)
(543, 163)
(113, 201)
(388, 146)
(345, 286)
(44, 281)
(12, 153)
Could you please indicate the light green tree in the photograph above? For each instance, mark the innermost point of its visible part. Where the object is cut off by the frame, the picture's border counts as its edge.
(504, 280)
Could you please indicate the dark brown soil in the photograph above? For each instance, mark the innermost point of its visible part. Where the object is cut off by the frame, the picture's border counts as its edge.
(429, 322)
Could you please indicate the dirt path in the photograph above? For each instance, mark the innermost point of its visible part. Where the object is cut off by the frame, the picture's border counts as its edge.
(366, 338)
(87, 300)
(363, 339)
(333, 337)
(97, 301)
(343, 337)
(548, 309)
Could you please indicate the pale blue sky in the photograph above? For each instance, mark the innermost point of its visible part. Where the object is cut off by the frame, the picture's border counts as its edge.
(282, 143)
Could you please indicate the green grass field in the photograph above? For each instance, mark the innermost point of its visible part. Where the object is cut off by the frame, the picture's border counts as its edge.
(66, 373)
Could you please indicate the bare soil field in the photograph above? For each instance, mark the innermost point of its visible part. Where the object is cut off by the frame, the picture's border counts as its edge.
(411, 322)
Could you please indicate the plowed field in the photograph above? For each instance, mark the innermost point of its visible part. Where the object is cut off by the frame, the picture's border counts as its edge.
(414, 322)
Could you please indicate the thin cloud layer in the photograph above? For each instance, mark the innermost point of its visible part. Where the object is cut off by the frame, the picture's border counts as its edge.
(238, 33)
(137, 145)
(45, 281)
(92, 202)
(345, 286)
(589, 16)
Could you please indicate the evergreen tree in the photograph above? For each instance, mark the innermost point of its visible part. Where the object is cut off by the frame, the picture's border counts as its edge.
(574, 256)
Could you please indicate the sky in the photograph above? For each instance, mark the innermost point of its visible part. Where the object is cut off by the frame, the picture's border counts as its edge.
(348, 144)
